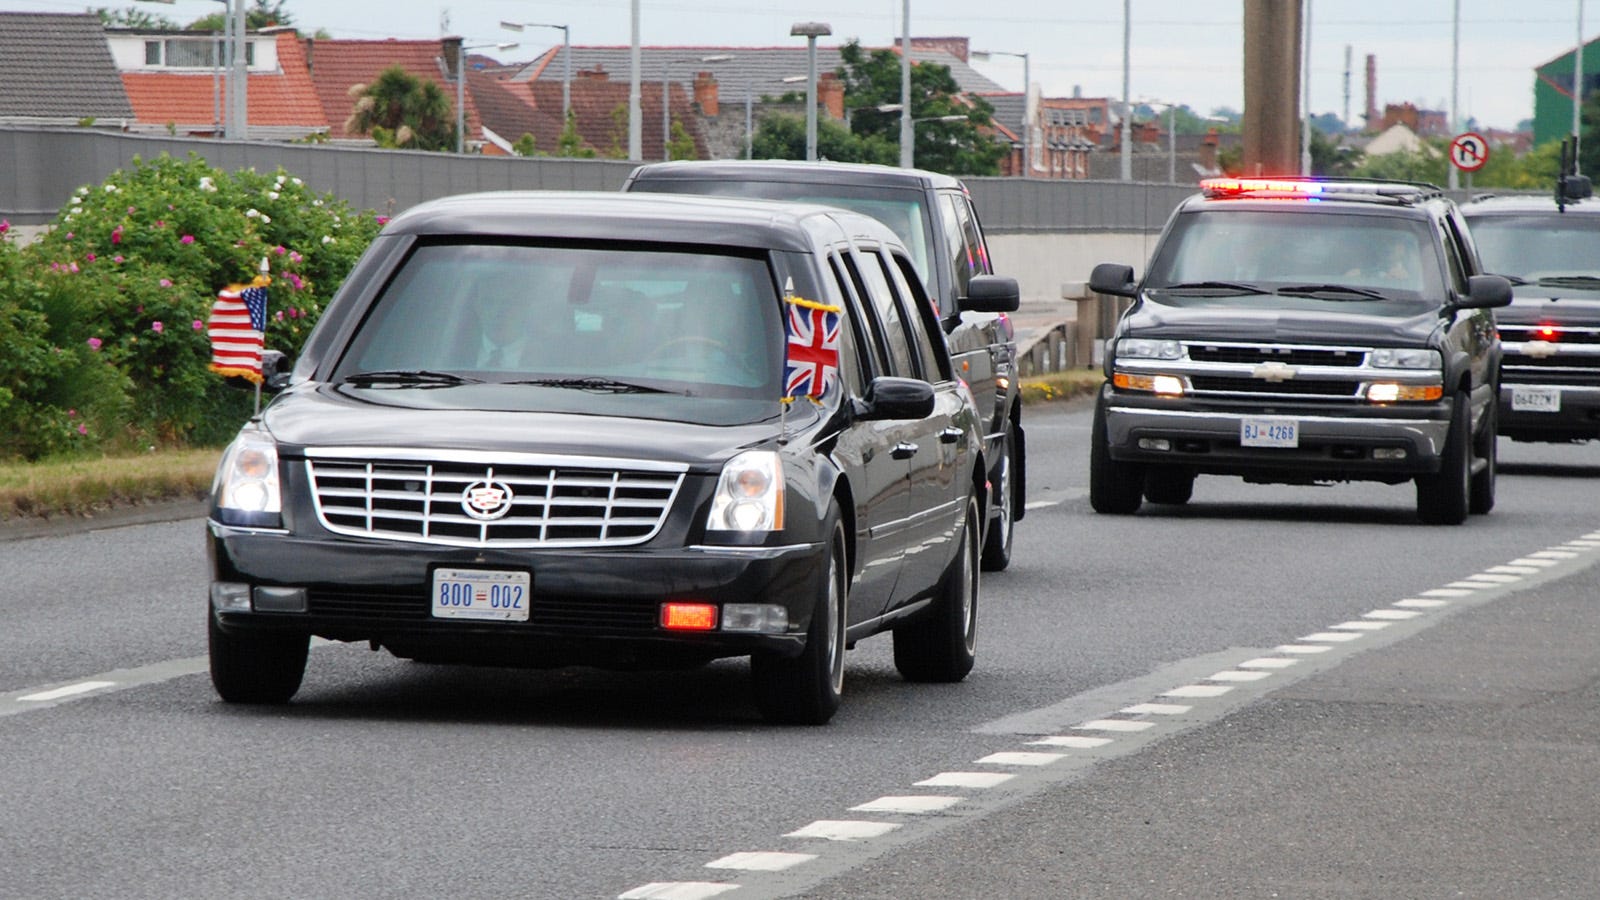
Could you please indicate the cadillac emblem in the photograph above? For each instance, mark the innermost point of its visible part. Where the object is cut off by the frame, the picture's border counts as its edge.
(486, 500)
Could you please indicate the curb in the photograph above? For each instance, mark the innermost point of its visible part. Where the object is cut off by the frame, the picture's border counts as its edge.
(142, 514)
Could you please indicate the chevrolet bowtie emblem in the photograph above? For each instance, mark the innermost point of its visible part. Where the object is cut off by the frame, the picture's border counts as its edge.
(1540, 349)
(1273, 372)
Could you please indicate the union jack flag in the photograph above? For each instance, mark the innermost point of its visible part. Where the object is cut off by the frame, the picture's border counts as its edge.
(238, 323)
(812, 365)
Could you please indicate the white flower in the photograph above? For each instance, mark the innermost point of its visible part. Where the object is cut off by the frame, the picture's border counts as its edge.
(266, 220)
(111, 189)
(83, 191)
(327, 239)
(252, 213)
(297, 182)
(76, 210)
(316, 203)
(206, 184)
(281, 180)
(272, 195)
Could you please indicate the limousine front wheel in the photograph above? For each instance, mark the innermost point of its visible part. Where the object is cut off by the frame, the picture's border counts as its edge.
(805, 690)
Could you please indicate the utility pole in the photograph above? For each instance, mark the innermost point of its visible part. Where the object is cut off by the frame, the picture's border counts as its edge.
(1272, 39)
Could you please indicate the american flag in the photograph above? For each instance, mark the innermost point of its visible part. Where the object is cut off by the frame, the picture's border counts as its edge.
(238, 320)
(812, 365)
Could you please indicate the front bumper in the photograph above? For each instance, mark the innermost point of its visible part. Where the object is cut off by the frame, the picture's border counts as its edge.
(1577, 419)
(589, 607)
(1335, 444)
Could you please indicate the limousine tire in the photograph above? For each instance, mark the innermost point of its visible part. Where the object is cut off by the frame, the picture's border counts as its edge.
(805, 689)
(255, 668)
(942, 645)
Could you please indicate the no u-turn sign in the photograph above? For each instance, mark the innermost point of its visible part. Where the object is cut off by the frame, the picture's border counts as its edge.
(1469, 151)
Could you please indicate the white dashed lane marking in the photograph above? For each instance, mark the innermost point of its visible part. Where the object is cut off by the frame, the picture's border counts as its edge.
(761, 861)
(916, 805)
(843, 830)
(975, 780)
(71, 690)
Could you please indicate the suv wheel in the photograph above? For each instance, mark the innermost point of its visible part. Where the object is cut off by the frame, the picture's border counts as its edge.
(1003, 525)
(1168, 485)
(805, 690)
(1114, 487)
(942, 645)
(1485, 448)
(255, 668)
(1442, 499)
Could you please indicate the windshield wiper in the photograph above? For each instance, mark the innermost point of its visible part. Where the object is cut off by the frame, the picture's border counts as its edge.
(1351, 293)
(1590, 282)
(1516, 279)
(594, 383)
(1233, 287)
(409, 377)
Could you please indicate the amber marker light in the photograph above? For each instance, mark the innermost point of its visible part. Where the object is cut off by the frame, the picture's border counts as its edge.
(683, 616)
(1389, 392)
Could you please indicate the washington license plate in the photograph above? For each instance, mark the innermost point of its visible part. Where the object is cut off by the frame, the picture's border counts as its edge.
(1536, 399)
(486, 594)
(1256, 432)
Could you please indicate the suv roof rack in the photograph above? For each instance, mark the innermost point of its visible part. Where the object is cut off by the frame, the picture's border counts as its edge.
(1302, 187)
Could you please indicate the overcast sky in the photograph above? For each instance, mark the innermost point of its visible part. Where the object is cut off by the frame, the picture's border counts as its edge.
(1184, 51)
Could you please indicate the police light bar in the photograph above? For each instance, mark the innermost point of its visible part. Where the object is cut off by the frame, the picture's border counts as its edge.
(1218, 187)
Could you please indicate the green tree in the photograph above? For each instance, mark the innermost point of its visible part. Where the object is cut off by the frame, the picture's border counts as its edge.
(402, 111)
(264, 14)
(784, 137)
(570, 144)
(958, 147)
(1329, 158)
(134, 18)
(682, 145)
(525, 146)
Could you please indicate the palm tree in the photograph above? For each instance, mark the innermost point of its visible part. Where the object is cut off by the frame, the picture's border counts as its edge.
(403, 111)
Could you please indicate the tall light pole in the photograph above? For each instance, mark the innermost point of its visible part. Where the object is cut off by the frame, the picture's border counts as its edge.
(811, 31)
(1577, 92)
(666, 95)
(566, 61)
(461, 89)
(1027, 95)
(907, 152)
(1127, 105)
(635, 115)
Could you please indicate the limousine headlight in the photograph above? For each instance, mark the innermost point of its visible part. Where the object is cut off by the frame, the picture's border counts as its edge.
(246, 487)
(749, 494)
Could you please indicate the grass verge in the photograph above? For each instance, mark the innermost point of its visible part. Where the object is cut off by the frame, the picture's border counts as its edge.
(78, 487)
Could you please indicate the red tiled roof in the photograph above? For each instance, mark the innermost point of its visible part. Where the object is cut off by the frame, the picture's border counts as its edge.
(338, 65)
(285, 98)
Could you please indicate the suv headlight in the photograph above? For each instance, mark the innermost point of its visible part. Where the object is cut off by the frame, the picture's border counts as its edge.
(1144, 348)
(1406, 358)
(749, 495)
(246, 487)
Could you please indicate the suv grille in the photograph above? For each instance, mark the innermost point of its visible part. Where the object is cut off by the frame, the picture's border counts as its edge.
(1298, 388)
(560, 503)
(1290, 356)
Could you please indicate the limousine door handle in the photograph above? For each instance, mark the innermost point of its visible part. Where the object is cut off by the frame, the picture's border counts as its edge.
(949, 435)
(904, 450)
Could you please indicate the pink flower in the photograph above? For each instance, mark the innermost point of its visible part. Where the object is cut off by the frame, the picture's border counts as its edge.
(295, 280)
(199, 325)
(72, 414)
(73, 267)
(165, 282)
(116, 235)
(130, 212)
(5, 225)
(186, 239)
(157, 327)
(280, 249)
(89, 257)
(83, 429)
(160, 223)
(295, 256)
(94, 344)
(383, 220)
(69, 235)
(117, 258)
(278, 315)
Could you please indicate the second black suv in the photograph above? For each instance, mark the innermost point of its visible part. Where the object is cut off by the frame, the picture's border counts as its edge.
(1303, 331)
(934, 217)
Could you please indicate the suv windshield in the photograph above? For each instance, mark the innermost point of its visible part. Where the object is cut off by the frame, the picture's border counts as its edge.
(1288, 260)
(901, 209)
(575, 319)
(1536, 247)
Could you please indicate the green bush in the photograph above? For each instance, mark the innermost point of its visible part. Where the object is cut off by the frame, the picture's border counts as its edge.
(107, 310)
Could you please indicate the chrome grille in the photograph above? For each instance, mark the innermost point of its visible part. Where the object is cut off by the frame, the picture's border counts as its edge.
(1291, 356)
(1255, 386)
(567, 502)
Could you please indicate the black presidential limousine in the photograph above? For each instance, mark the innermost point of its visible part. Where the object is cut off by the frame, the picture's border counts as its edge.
(544, 429)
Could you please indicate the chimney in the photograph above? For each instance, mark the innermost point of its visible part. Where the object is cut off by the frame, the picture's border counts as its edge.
(830, 93)
(598, 73)
(705, 93)
(450, 48)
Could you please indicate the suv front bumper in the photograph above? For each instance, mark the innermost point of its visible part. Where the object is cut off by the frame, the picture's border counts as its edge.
(1577, 419)
(1334, 444)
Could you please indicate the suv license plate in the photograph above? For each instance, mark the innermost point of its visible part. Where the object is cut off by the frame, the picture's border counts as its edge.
(1536, 399)
(485, 594)
(1269, 433)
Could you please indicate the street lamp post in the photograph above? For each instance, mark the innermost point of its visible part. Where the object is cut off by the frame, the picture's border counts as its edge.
(1127, 107)
(811, 31)
(1027, 95)
(221, 67)
(566, 61)
(666, 95)
(461, 89)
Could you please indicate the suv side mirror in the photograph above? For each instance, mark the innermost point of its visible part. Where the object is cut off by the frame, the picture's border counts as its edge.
(1574, 187)
(895, 398)
(1113, 279)
(991, 293)
(1485, 292)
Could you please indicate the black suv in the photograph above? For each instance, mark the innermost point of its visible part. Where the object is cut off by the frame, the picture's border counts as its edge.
(1302, 331)
(1549, 247)
(544, 429)
(934, 217)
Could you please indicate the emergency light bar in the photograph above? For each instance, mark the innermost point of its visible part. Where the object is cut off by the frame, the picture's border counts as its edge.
(1310, 188)
(1217, 187)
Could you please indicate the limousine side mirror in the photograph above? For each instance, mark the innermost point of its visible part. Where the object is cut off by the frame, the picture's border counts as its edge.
(991, 293)
(895, 398)
(1113, 279)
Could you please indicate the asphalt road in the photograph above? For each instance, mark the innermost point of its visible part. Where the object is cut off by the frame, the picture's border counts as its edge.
(1272, 691)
